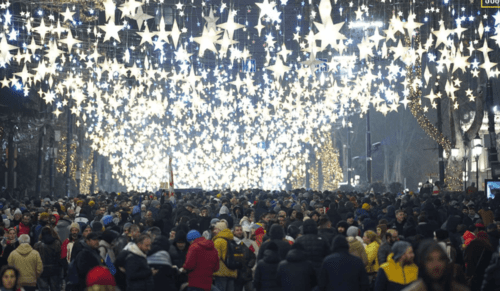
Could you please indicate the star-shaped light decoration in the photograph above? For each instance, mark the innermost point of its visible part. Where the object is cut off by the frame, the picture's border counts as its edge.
(111, 30)
(146, 36)
(128, 8)
(265, 8)
(211, 21)
(175, 33)
(42, 29)
(24, 75)
(109, 8)
(279, 69)
(230, 26)
(206, 41)
(329, 33)
(441, 35)
(487, 66)
(259, 27)
(5, 49)
(70, 41)
(67, 15)
(140, 17)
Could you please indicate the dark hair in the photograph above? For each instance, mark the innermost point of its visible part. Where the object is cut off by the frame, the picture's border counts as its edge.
(16, 272)
(142, 238)
(134, 227)
(426, 247)
(156, 231)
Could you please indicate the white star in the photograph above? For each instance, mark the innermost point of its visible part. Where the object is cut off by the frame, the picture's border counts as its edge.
(68, 15)
(111, 30)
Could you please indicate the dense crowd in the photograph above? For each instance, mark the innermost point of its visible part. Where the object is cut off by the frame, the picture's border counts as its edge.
(252, 240)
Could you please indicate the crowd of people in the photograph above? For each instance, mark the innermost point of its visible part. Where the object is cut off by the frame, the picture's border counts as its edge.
(252, 240)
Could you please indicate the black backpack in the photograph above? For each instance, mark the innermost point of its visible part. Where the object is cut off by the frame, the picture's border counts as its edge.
(234, 255)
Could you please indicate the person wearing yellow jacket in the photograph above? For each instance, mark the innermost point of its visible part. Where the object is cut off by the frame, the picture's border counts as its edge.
(372, 241)
(224, 277)
(399, 271)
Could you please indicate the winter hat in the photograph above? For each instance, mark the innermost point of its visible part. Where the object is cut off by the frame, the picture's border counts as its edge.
(339, 243)
(349, 215)
(136, 210)
(399, 249)
(192, 235)
(155, 203)
(366, 206)
(352, 231)
(127, 225)
(221, 225)
(109, 235)
(74, 225)
(214, 221)
(44, 215)
(91, 203)
(97, 226)
(224, 210)
(99, 276)
(107, 219)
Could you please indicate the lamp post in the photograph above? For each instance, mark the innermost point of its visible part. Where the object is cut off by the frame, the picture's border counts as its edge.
(465, 160)
(476, 151)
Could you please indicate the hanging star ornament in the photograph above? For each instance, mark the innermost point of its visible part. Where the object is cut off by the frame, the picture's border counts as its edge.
(111, 30)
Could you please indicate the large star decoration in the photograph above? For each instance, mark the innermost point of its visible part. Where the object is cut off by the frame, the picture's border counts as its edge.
(111, 30)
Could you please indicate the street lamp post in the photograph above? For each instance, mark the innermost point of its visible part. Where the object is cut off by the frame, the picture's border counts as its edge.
(476, 151)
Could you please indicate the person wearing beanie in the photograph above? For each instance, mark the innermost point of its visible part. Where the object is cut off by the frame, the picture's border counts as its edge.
(49, 248)
(179, 249)
(67, 245)
(192, 235)
(224, 214)
(295, 273)
(202, 261)
(267, 269)
(341, 270)
(100, 279)
(342, 227)
(477, 256)
(159, 259)
(224, 277)
(28, 262)
(105, 244)
(399, 271)
(316, 247)
(350, 219)
(356, 247)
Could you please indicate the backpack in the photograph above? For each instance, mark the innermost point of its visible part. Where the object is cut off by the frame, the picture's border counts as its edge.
(234, 255)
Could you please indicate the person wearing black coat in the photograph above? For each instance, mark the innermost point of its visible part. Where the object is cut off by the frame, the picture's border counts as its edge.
(139, 274)
(296, 273)
(49, 249)
(277, 236)
(491, 280)
(342, 271)
(315, 246)
(159, 258)
(267, 269)
(88, 258)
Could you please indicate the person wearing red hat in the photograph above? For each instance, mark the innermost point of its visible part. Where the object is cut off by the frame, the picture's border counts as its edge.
(100, 279)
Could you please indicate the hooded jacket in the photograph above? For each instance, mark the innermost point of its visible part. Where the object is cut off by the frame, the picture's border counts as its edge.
(296, 273)
(341, 271)
(62, 228)
(266, 271)
(202, 262)
(393, 276)
(28, 262)
(276, 235)
(220, 243)
(50, 252)
(357, 249)
(316, 247)
(139, 275)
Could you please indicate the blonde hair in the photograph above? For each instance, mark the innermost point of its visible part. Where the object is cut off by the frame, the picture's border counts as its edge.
(372, 236)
